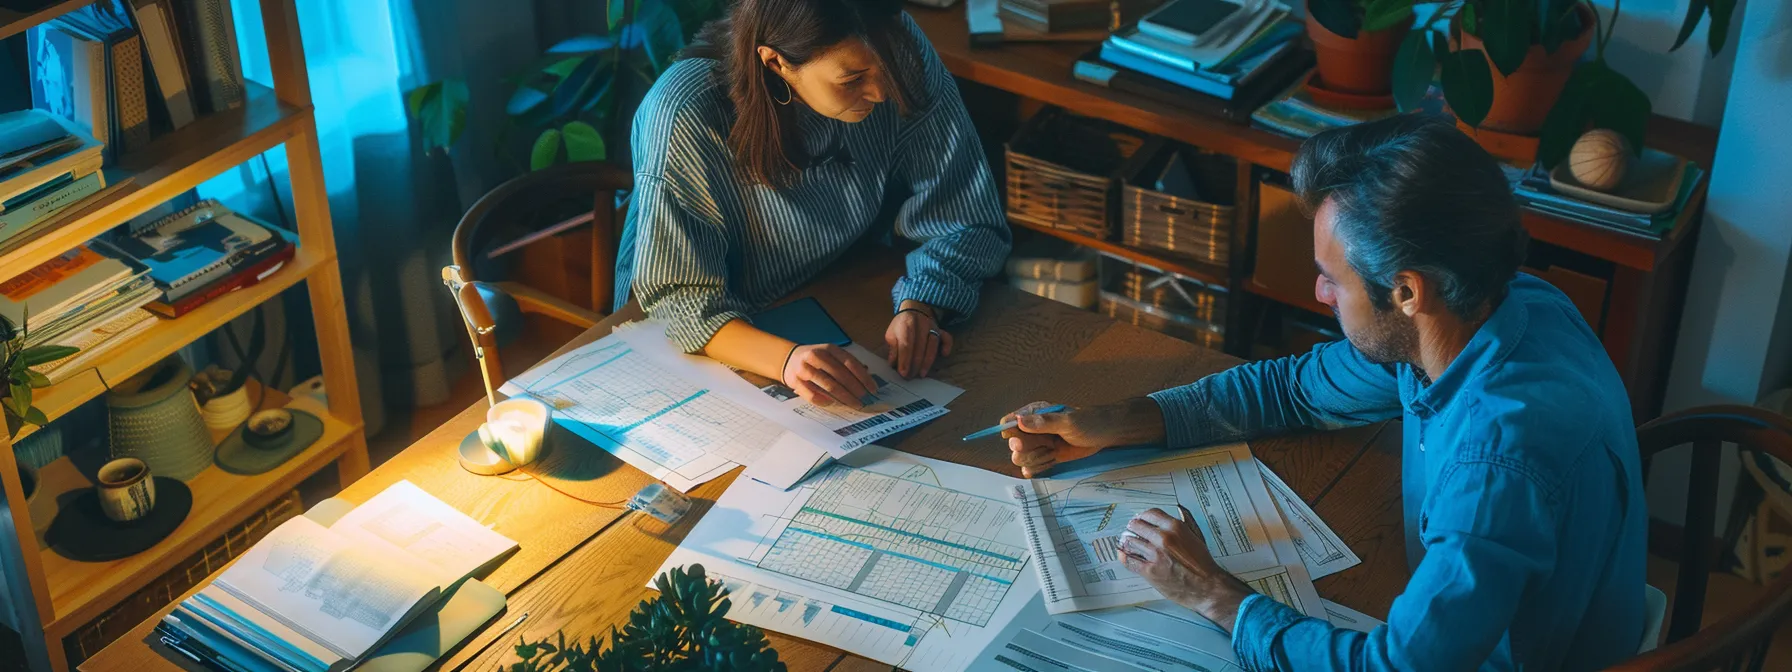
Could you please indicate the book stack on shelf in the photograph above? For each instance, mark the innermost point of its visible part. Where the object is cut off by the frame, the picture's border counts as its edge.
(203, 252)
(1215, 56)
(126, 70)
(1646, 202)
(317, 597)
(1294, 113)
(81, 299)
(47, 166)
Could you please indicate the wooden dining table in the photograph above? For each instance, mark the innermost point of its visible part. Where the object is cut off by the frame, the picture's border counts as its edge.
(582, 568)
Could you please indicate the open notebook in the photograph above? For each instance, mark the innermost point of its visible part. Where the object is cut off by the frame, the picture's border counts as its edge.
(316, 598)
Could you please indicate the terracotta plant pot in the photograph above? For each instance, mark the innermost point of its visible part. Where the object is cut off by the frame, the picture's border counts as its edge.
(1522, 101)
(1364, 65)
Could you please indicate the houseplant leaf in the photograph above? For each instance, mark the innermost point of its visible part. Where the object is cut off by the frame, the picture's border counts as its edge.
(1558, 22)
(582, 45)
(618, 13)
(1414, 68)
(563, 67)
(1622, 107)
(662, 35)
(38, 380)
(44, 354)
(573, 88)
(1506, 33)
(583, 142)
(418, 97)
(1565, 122)
(445, 115)
(1596, 96)
(546, 150)
(1385, 14)
(1467, 81)
(1721, 11)
(18, 399)
(35, 416)
(1695, 11)
(1338, 16)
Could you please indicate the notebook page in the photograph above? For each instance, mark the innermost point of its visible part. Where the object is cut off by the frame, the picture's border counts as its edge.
(405, 516)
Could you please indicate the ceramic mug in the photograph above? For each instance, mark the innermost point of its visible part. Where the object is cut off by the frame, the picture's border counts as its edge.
(126, 490)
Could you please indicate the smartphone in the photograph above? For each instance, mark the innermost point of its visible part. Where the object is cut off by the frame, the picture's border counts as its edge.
(803, 322)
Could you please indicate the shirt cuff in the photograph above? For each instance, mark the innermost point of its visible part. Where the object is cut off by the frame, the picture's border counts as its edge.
(1185, 415)
(1260, 619)
(957, 299)
(691, 335)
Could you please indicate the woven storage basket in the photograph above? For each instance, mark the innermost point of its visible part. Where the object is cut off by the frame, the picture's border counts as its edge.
(1064, 171)
(1166, 302)
(165, 589)
(1197, 228)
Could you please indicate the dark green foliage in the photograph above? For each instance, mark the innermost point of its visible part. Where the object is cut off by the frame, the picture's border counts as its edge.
(574, 104)
(16, 361)
(682, 630)
(1346, 17)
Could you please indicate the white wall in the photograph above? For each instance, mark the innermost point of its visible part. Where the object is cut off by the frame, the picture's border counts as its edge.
(1686, 84)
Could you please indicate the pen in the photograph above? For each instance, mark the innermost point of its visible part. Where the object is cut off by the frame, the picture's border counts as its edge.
(512, 626)
(1011, 424)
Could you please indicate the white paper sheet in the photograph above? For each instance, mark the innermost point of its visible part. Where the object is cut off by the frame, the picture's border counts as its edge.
(1157, 635)
(902, 559)
(407, 517)
(1345, 617)
(901, 404)
(1320, 549)
(670, 425)
(1074, 523)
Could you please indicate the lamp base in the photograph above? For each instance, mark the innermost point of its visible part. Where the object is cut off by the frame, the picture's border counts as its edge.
(475, 457)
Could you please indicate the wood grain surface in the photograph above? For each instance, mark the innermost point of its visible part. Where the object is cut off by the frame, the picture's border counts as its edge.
(581, 568)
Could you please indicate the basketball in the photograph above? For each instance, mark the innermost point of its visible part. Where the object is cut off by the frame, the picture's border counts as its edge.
(1599, 159)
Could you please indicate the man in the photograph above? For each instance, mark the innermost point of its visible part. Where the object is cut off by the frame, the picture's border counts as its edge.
(1523, 494)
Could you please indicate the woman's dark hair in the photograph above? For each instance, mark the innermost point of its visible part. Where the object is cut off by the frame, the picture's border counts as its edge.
(763, 137)
(1413, 193)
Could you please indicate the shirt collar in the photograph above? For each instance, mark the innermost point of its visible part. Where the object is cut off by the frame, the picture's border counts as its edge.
(819, 137)
(1489, 346)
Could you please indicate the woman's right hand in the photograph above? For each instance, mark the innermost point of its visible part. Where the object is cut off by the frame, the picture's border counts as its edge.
(827, 374)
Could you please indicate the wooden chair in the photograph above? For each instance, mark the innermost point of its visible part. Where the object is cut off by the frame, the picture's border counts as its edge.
(491, 307)
(1740, 640)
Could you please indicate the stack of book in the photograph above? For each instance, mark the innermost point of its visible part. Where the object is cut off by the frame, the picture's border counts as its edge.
(1535, 191)
(46, 166)
(1216, 56)
(1294, 113)
(81, 299)
(125, 69)
(312, 597)
(204, 252)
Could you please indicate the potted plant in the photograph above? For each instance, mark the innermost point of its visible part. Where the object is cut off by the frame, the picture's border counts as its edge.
(578, 99)
(1515, 67)
(1355, 42)
(16, 361)
(682, 630)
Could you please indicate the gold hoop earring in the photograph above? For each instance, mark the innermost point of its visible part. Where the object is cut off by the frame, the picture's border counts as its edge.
(789, 93)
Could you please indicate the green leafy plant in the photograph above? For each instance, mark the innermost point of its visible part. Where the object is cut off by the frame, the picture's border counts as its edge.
(1346, 17)
(16, 361)
(1596, 95)
(576, 101)
(682, 630)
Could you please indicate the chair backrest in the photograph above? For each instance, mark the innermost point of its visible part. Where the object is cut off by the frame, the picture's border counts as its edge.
(1739, 641)
(521, 197)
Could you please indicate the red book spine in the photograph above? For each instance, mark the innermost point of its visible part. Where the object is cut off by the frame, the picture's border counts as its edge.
(248, 276)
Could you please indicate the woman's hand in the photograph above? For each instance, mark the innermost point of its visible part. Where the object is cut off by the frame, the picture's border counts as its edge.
(827, 374)
(916, 339)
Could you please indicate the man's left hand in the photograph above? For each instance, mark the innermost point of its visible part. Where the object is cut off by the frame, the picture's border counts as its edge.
(1172, 556)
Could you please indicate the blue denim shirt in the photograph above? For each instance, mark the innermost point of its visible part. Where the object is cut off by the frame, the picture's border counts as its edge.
(1525, 518)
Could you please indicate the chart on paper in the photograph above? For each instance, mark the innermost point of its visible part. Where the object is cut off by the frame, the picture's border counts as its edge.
(629, 404)
(1075, 523)
(910, 544)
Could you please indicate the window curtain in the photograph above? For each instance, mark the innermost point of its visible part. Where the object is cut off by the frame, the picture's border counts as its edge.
(393, 207)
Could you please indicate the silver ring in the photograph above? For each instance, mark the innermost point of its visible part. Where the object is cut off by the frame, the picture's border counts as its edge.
(933, 332)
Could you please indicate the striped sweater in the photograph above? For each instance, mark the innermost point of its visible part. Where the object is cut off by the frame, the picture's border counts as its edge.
(703, 246)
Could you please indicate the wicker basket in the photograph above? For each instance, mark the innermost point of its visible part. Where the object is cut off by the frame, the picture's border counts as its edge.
(1194, 228)
(168, 587)
(1064, 171)
(1166, 302)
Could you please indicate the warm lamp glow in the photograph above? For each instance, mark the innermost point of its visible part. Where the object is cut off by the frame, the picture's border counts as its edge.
(516, 428)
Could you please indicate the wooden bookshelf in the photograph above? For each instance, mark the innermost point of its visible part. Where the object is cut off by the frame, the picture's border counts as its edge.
(46, 597)
(1161, 260)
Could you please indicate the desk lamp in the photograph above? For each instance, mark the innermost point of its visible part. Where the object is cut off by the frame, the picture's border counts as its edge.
(513, 430)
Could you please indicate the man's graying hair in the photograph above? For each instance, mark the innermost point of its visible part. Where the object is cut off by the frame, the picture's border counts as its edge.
(1413, 193)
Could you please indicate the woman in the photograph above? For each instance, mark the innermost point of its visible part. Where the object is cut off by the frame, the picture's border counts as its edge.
(769, 149)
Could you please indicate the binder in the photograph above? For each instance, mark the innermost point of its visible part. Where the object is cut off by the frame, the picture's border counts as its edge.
(156, 26)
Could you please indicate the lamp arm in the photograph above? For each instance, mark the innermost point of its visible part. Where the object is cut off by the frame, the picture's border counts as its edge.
(477, 318)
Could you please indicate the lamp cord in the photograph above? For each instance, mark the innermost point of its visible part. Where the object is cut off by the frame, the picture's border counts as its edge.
(529, 475)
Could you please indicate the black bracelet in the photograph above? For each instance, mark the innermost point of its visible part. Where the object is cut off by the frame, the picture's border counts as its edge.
(786, 367)
(918, 311)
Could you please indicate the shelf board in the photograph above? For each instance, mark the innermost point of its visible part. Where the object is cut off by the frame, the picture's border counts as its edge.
(13, 22)
(81, 591)
(1302, 301)
(1209, 273)
(166, 336)
(167, 167)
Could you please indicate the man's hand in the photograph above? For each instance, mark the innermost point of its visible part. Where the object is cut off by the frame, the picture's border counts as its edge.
(916, 339)
(1171, 555)
(1046, 439)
